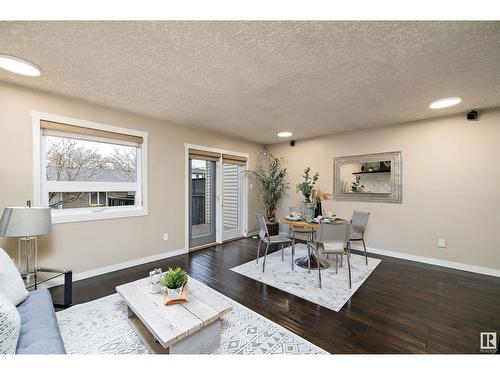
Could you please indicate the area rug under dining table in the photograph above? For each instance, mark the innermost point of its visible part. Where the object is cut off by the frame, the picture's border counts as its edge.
(335, 290)
(101, 327)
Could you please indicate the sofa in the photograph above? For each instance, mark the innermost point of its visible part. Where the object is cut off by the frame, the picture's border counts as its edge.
(39, 329)
(28, 323)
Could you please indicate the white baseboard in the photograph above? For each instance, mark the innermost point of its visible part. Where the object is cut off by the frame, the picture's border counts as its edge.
(395, 254)
(114, 267)
(433, 261)
(252, 234)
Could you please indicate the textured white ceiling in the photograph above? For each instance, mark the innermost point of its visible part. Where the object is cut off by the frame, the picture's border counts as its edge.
(253, 79)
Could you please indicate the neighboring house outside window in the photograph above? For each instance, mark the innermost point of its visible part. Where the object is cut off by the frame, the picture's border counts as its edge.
(98, 199)
(90, 173)
(198, 173)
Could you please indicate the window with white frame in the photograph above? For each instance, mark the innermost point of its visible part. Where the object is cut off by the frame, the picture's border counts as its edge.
(90, 171)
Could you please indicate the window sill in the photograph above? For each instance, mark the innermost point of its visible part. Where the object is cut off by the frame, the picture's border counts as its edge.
(71, 216)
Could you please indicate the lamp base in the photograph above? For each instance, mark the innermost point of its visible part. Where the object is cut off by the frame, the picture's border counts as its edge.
(27, 259)
(28, 277)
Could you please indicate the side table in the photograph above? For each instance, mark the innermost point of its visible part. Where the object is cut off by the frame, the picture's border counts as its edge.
(45, 274)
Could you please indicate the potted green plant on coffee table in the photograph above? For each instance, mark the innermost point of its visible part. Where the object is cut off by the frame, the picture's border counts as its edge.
(173, 281)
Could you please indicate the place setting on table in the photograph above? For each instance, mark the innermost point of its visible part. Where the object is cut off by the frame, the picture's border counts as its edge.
(297, 219)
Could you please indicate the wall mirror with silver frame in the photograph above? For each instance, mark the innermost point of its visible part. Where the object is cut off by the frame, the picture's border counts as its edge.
(368, 178)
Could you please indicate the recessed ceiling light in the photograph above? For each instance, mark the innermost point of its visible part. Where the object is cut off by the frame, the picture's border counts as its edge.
(19, 66)
(446, 102)
(285, 134)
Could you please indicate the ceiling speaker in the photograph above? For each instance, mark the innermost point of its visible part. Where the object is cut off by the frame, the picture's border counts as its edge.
(472, 115)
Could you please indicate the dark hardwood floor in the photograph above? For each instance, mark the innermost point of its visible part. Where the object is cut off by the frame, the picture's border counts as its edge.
(403, 307)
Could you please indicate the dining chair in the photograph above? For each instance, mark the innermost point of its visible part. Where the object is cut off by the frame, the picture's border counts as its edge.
(271, 240)
(304, 234)
(334, 239)
(359, 222)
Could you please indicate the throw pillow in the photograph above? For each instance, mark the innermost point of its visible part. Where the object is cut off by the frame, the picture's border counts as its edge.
(10, 326)
(11, 282)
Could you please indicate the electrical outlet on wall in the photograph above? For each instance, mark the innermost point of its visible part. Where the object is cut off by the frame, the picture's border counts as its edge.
(441, 243)
(165, 236)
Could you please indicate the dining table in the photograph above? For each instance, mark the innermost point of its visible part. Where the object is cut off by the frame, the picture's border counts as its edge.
(311, 258)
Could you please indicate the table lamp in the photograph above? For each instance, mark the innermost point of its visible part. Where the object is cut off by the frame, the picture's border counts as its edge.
(26, 223)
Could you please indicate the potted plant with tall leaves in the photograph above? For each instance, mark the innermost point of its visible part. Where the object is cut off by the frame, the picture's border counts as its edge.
(273, 186)
(173, 281)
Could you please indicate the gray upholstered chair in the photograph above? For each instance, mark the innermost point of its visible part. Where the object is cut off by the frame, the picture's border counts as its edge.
(271, 240)
(334, 239)
(359, 222)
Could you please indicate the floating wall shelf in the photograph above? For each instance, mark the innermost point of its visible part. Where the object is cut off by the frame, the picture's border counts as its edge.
(371, 172)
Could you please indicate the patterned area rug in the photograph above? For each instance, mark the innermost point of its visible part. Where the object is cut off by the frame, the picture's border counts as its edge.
(101, 327)
(335, 290)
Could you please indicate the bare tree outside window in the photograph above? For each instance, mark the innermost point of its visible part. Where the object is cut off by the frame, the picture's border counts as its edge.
(125, 160)
(76, 160)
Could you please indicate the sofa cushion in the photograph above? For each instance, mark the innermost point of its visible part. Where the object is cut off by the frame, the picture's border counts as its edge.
(10, 325)
(39, 329)
(11, 282)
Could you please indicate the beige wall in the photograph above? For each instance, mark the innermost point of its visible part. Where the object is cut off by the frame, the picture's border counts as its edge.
(450, 184)
(88, 245)
(451, 180)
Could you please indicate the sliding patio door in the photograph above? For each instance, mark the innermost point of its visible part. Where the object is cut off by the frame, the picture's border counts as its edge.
(216, 196)
(202, 202)
(232, 196)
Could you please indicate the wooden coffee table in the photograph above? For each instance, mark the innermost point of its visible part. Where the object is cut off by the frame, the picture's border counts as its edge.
(188, 328)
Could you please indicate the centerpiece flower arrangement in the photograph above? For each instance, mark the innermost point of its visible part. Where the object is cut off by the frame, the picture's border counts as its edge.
(174, 280)
(307, 187)
(313, 195)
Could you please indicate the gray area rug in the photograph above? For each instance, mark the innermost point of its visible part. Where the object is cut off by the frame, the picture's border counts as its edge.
(335, 290)
(101, 327)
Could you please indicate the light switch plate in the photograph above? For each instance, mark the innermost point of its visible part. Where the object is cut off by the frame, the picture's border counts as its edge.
(441, 242)
(165, 236)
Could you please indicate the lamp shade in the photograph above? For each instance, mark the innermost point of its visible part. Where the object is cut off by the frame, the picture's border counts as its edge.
(24, 222)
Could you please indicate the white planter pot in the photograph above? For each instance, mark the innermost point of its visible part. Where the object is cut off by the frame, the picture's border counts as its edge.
(174, 293)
